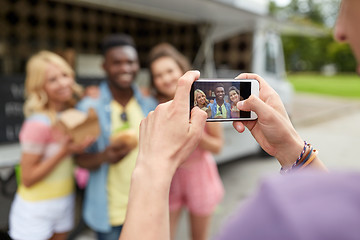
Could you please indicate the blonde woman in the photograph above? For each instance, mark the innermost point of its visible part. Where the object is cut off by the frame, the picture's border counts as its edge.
(201, 101)
(44, 203)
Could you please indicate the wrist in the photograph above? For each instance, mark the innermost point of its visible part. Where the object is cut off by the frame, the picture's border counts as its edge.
(162, 171)
(289, 153)
(156, 179)
(63, 152)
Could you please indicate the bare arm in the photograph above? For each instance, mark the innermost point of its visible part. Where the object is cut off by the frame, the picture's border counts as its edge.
(212, 139)
(35, 169)
(154, 220)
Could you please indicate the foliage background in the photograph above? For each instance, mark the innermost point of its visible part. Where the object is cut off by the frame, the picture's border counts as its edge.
(307, 53)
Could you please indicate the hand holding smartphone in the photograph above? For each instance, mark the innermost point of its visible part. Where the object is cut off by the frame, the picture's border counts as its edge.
(218, 98)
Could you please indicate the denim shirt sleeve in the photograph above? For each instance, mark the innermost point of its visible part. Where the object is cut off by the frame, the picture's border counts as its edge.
(228, 110)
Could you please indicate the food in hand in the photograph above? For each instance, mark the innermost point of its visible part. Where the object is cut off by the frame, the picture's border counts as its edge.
(127, 137)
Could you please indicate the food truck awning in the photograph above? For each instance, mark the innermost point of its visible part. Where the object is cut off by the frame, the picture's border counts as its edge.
(224, 16)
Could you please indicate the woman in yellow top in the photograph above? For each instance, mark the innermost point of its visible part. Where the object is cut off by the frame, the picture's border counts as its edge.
(202, 102)
(44, 204)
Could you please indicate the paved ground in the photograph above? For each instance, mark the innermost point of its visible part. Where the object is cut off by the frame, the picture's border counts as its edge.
(310, 110)
(330, 124)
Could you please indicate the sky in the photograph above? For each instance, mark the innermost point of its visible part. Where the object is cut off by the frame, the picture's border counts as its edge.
(282, 3)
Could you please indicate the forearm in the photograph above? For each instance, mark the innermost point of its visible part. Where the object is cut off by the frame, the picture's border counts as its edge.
(90, 161)
(34, 173)
(148, 207)
(317, 164)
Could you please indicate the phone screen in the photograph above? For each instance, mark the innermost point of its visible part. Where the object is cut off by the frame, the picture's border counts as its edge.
(218, 98)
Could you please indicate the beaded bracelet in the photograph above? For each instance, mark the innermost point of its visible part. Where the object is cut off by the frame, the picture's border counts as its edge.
(314, 153)
(303, 160)
(306, 158)
(302, 152)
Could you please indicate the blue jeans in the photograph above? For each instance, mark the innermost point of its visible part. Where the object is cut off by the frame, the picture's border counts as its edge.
(114, 234)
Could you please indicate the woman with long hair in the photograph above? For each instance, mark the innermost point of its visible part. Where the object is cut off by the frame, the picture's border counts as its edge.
(201, 101)
(235, 97)
(196, 184)
(43, 207)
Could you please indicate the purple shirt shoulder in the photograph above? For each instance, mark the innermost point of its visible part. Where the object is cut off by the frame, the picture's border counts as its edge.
(307, 205)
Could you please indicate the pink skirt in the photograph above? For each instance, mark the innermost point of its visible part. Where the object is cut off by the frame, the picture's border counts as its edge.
(197, 185)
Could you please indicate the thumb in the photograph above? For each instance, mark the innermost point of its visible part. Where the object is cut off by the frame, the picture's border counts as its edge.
(255, 104)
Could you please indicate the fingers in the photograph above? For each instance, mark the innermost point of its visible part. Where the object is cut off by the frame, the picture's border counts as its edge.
(142, 130)
(239, 126)
(262, 82)
(196, 129)
(117, 145)
(251, 76)
(247, 76)
(198, 120)
(183, 88)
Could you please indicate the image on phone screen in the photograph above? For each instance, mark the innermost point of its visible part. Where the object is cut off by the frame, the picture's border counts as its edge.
(218, 98)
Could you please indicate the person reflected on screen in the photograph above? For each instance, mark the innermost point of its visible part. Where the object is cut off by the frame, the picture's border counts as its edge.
(201, 101)
(235, 97)
(220, 108)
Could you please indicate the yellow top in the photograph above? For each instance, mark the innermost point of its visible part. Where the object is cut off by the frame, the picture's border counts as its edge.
(221, 111)
(59, 183)
(119, 176)
(36, 137)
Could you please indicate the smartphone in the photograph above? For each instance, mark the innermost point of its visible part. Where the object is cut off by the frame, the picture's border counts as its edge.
(218, 98)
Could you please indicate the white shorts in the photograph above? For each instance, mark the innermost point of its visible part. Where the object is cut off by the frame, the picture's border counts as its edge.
(40, 220)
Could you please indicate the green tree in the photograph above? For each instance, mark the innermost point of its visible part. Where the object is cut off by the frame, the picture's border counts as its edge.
(303, 53)
(314, 13)
(341, 55)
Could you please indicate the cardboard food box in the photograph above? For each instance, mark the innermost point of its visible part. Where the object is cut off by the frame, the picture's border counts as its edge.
(79, 125)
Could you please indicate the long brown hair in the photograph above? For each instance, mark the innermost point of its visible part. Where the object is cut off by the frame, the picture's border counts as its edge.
(167, 50)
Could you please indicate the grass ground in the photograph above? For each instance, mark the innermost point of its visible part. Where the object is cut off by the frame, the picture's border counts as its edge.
(342, 85)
